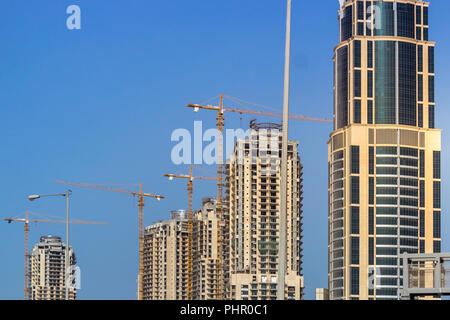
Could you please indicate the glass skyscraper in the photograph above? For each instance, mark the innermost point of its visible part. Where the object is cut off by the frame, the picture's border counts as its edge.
(384, 152)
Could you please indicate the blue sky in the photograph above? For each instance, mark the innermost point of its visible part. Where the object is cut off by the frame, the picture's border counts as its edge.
(98, 105)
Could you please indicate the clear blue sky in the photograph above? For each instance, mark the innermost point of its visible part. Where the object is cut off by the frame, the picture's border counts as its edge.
(99, 105)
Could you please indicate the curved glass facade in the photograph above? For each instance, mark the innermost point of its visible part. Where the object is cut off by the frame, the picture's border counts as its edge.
(398, 74)
(384, 153)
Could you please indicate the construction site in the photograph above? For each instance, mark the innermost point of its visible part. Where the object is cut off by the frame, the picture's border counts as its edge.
(233, 226)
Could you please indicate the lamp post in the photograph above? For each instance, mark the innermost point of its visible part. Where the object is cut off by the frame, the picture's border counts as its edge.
(284, 157)
(67, 195)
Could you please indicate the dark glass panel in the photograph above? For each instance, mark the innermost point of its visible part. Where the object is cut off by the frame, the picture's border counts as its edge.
(342, 87)
(385, 82)
(407, 84)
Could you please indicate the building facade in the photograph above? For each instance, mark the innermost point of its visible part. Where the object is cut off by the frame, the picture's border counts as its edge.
(47, 270)
(253, 200)
(204, 262)
(165, 259)
(384, 152)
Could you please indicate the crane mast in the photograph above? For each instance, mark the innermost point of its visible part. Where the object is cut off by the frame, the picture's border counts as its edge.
(141, 203)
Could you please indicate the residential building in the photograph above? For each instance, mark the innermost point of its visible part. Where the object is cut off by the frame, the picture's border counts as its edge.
(47, 270)
(165, 259)
(253, 201)
(205, 224)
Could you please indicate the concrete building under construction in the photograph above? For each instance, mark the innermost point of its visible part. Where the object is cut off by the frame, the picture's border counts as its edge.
(47, 270)
(253, 197)
(165, 259)
(205, 252)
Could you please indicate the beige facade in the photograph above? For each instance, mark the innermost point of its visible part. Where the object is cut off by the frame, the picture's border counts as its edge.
(384, 152)
(204, 250)
(165, 259)
(253, 198)
(322, 294)
(47, 270)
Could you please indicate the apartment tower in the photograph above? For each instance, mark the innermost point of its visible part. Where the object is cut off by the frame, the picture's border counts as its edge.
(165, 259)
(47, 270)
(204, 262)
(253, 200)
(384, 151)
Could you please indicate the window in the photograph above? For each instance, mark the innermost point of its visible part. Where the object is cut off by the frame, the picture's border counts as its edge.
(431, 117)
(422, 246)
(360, 10)
(371, 220)
(369, 84)
(355, 190)
(436, 164)
(371, 160)
(357, 83)
(357, 111)
(354, 281)
(425, 34)
(387, 150)
(420, 58)
(355, 220)
(346, 23)
(422, 223)
(430, 88)
(369, 54)
(422, 193)
(420, 115)
(357, 53)
(385, 81)
(405, 20)
(436, 246)
(407, 82)
(418, 33)
(431, 59)
(371, 251)
(371, 190)
(410, 152)
(437, 194)
(355, 250)
(386, 10)
(360, 28)
(342, 87)
(419, 15)
(355, 159)
(425, 16)
(369, 111)
(420, 88)
(436, 224)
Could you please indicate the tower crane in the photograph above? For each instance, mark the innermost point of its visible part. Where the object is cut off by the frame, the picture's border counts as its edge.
(190, 189)
(141, 196)
(26, 222)
(220, 125)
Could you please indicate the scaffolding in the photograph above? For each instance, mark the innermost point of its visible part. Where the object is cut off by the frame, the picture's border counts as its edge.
(425, 275)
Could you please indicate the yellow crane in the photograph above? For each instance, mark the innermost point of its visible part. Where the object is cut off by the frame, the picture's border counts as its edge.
(26, 222)
(190, 189)
(140, 196)
(220, 126)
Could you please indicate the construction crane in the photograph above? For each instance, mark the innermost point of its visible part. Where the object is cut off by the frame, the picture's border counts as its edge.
(220, 125)
(190, 189)
(26, 222)
(140, 196)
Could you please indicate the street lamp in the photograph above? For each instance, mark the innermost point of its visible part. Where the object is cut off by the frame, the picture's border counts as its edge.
(67, 195)
(284, 150)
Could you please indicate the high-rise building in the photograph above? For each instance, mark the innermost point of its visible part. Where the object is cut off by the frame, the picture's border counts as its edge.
(47, 270)
(384, 152)
(204, 264)
(165, 259)
(253, 201)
